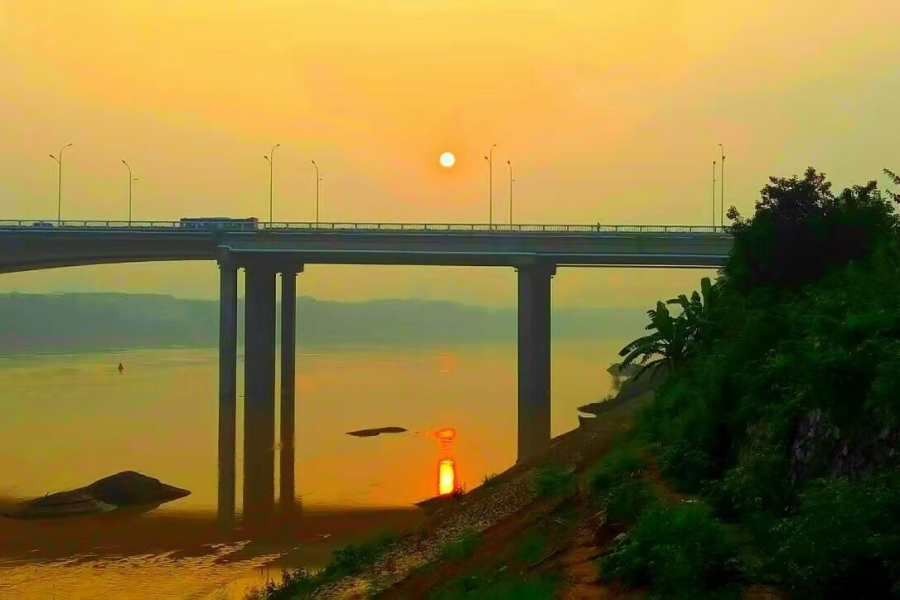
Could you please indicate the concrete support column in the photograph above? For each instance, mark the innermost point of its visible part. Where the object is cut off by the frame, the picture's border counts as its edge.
(259, 395)
(534, 358)
(286, 491)
(227, 391)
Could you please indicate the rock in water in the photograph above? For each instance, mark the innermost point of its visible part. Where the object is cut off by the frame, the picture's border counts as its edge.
(60, 504)
(377, 431)
(129, 488)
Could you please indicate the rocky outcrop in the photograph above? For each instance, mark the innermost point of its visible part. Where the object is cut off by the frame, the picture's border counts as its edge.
(127, 488)
(820, 447)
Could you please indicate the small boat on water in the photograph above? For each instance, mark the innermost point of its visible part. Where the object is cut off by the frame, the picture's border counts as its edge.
(60, 504)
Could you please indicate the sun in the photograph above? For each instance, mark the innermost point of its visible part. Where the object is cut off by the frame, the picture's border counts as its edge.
(447, 160)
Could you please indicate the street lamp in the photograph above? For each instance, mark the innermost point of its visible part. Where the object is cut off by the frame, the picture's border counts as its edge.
(722, 195)
(318, 179)
(131, 180)
(271, 160)
(490, 159)
(511, 180)
(714, 195)
(59, 184)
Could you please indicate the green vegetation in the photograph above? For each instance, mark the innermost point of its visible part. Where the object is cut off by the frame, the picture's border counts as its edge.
(483, 585)
(613, 468)
(779, 416)
(345, 562)
(490, 481)
(532, 548)
(553, 481)
(677, 550)
(781, 409)
(461, 548)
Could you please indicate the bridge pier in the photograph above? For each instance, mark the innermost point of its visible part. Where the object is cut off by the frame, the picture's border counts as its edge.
(259, 395)
(534, 358)
(227, 391)
(286, 493)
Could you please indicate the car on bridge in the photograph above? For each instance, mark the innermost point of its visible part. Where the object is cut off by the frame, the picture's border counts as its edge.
(219, 223)
(42, 224)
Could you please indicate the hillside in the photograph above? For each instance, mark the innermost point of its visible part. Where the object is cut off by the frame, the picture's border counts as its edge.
(765, 465)
(66, 322)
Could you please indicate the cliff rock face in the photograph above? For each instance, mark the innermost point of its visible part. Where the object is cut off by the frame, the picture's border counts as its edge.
(820, 448)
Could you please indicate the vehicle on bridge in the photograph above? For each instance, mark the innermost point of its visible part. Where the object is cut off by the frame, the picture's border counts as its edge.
(219, 223)
(42, 224)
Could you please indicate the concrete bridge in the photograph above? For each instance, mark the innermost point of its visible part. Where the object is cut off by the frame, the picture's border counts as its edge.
(265, 250)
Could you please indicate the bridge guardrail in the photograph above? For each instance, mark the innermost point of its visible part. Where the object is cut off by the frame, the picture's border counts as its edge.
(48, 225)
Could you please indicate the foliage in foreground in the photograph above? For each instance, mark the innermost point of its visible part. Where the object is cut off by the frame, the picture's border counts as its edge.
(482, 585)
(345, 562)
(553, 481)
(783, 404)
(677, 550)
(461, 548)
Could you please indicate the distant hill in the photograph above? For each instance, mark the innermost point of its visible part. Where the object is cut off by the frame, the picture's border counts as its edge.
(73, 322)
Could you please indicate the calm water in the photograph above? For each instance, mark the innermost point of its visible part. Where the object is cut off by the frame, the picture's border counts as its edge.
(68, 420)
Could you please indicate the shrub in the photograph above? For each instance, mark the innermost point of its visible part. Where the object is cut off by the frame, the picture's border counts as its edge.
(352, 559)
(626, 501)
(532, 548)
(480, 585)
(461, 548)
(677, 550)
(685, 466)
(844, 540)
(553, 481)
(613, 468)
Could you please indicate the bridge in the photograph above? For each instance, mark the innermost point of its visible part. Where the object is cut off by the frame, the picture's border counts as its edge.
(265, 250)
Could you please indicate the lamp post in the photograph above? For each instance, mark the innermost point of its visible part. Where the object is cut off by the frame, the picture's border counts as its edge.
(511, 180)
(318, 179)
(271, 160)
(59, 184)
(490, 159)
(714, 195)
(131, 180)
(722, 195)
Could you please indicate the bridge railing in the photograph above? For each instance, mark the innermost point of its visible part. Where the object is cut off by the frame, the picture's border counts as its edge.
(275, 227)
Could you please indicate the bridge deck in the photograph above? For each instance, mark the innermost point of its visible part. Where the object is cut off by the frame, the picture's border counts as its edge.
(30, 245)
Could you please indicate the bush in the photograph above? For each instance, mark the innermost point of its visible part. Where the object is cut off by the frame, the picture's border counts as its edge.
(352, 559)
(461, 548)
(480, 585)
(626, 501)
(676, 550)
(532, 548)
(553, 481)
(687, 467)
(758, 484)
(613, 468)
(347, 561)
(844, 540)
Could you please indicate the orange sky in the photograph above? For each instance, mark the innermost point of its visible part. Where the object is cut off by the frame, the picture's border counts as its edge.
(609, 110)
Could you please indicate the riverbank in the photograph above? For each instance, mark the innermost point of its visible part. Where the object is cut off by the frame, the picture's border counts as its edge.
(499, 510)
(179, 554)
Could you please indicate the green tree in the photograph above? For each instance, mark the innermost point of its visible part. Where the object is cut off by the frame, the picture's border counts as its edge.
(698, 310)
(666, 347)
(896, 179)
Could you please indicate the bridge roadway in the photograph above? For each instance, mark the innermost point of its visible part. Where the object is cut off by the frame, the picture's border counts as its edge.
(264, 250)
(31, 245)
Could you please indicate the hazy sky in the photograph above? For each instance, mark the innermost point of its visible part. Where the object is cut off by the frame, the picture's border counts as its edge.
(610, 110)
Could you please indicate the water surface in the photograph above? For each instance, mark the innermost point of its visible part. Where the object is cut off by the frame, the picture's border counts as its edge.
(68, 420)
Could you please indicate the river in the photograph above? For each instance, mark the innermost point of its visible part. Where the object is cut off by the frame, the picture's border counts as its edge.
(68, 420)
